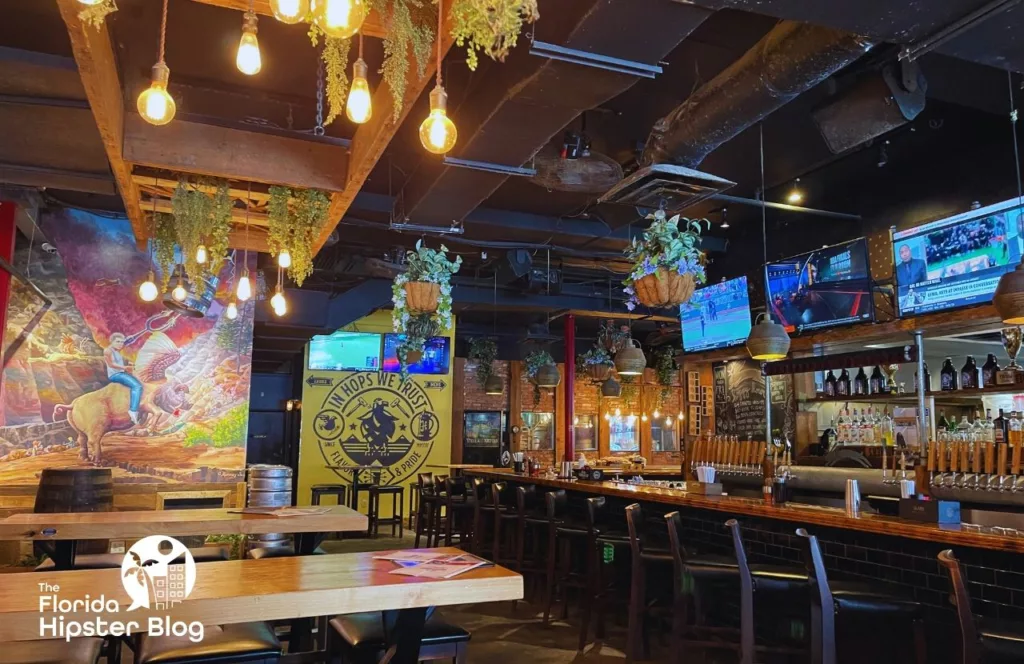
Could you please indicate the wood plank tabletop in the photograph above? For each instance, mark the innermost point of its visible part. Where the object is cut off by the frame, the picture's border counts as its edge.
(796, 513)
(175, 523)
(237, 591)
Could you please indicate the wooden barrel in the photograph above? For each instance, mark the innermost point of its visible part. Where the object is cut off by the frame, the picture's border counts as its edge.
(75, 490)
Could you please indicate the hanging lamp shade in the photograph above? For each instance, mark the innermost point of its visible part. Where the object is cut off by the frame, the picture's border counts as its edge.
(1009, 296)
(611, 388)
(494, 385)
(548, 376)
(630, 361)
(767, 341)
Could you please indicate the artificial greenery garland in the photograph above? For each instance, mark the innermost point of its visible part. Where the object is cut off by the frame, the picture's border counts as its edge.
(335, 58)
(532, 363)
(165, 239)
(294, 220)
(665, 245)
(94, 15)
(202, 218)
(408, 29)
(665, 369)
(417, 331)
(483, 351)
(491, 26)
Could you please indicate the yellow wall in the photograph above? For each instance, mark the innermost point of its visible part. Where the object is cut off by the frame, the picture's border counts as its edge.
(335, 402)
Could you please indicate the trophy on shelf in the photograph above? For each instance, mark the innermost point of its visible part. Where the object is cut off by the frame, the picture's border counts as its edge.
(890, 377)
(1011, 338)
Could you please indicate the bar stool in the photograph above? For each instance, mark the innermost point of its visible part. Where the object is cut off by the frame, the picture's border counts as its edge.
(358, 485)
(54, 651)
(647, 562)
(563, 536)
(362, 638)
(459, 504)
(427, 508)
(483, 521)
(532, 527)
(504, 547)
(414, 502)
(321, 490)
(986, 640)
(601, 581)
(245, 643)
(397, 493)
(844, 599)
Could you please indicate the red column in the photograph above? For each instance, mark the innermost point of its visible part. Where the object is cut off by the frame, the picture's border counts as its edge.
(570, 386)
(7, 210)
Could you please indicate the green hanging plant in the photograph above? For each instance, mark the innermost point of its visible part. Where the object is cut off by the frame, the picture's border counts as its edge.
(483, 351)
(417, 331)
(665, 369)
(294, 221)
(94, 15)
(165, 239)
(202, 218)
(491, 26)
(629, 389)
(335, 57)
(407, 29)
(532, 363)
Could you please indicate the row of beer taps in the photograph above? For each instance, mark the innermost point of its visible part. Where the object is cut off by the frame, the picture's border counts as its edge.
(975, 465)
(730, 455)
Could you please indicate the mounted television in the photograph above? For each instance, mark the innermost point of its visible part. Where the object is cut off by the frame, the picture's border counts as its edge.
(957, 261)
(436, 356)
(822, 288)
(717, 316)
(344, 351)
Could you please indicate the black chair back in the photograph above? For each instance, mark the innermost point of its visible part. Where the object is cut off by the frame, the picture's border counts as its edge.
(557, 503)
(823, 614)
(746, 593)
(499, 493)
(597, 513)
(962, 600)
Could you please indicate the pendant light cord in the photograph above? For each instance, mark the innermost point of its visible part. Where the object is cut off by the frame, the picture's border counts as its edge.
(245, 249)
(440, 7)
(1013, 130)
(764, 213)
(360, 45)
(163, 32)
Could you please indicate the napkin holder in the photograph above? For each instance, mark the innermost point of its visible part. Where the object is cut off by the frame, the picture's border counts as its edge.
(704, 488)
(930, 511)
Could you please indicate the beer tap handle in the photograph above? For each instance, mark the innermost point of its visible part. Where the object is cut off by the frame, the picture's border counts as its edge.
(931, 456)
(977, 457)
(1015, 470)
(1002, 459)
(990, 457)
(965, 450)
(941, 456)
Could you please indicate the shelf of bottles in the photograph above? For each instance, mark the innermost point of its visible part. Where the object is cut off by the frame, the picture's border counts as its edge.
(983, 455)
(864, 427)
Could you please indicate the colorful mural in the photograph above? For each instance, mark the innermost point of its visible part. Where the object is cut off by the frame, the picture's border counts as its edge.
(106, 379)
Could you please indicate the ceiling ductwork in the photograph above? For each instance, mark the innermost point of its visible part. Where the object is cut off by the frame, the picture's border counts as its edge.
(791, 59)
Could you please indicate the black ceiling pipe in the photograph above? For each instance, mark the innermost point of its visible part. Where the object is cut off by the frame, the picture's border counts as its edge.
(791, 59)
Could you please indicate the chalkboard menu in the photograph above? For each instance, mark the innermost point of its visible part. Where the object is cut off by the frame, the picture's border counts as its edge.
(739, 401)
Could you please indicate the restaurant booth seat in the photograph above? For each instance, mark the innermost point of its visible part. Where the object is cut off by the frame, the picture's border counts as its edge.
(361, 638)
(244, 643)
(56, 651)
(983, 641)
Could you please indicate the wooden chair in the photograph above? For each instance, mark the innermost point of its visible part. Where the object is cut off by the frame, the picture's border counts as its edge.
(841, 599)
(985, 640)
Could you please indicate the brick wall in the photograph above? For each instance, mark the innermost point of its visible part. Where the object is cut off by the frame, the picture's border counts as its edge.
(474, 397)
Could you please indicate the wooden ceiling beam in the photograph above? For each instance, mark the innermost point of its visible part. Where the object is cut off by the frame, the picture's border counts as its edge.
(253, 240)
(238, 217)
(373, 26)
(372, 138)
(191, 147)
(97, 66)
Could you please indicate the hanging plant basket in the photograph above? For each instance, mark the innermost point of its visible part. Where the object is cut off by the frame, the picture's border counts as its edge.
(630, 361)
(599, 372)
(665, 288)
(414, 356)
(422, 297)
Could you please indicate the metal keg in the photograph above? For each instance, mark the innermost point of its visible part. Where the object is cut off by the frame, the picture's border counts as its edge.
(269, 486)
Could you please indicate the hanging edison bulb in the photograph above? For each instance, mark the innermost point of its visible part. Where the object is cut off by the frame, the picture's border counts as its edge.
(679, 416)
(248, 59)
(155, 104)
(643, 417)
(232, 310)
(201, 256)
(438, 133)
(339, 18)
(148, 290)
(284, 259)
(290, 11)
(618, 412)
(244, 290)
(656, 414)
(179, 293)
(89, 2)
(358, 108)
(278, 302)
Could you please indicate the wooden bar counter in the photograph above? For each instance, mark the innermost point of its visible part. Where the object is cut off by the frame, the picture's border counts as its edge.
(807, 515)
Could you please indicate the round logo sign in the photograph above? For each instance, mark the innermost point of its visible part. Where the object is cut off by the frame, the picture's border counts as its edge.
(376, 419)
(157, 569)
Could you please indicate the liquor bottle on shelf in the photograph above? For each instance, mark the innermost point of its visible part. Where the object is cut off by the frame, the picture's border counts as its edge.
(963, 428)
(843, 384)
(948, 375)
(860, 382)
(999, 429)
(867, 428)
(927, 381)
(852, 433)
(990, 427)
(877, 383)
(969, 374)
(843, 427)
(830, 384)
(888, 430)
(1015, 430)
(943, 423)
(989, 371)
(977, 430)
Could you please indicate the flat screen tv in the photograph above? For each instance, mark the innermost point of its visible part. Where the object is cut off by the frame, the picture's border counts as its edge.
(436, 355)
(717, 316)
(344, 351)
(822, 288)
(957, 261)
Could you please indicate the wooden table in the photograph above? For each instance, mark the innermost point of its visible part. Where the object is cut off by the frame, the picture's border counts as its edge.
(65, 529)
(239, 591)
(457, 468)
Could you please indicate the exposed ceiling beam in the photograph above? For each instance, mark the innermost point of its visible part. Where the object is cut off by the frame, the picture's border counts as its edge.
(56, 178)
(97, 66)
(372, 138)
(235, 154)
(373, 26)
(255, 239)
